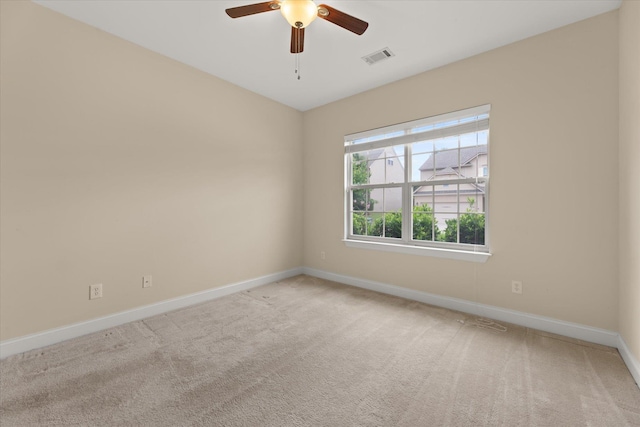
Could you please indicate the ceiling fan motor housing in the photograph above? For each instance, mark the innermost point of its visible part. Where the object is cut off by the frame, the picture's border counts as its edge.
(299, 13)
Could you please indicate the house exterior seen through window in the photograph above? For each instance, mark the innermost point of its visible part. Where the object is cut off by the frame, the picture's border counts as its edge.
(421, 183)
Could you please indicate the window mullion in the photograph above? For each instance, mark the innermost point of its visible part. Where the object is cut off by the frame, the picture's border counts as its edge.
(374, 186)
(459, 169)
(458, 213)
(449, 181)
(407, 197)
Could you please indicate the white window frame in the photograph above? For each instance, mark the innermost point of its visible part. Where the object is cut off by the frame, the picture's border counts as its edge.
(471, 120)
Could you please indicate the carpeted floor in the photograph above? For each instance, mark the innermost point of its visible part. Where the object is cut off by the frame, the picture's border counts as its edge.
(308, 352)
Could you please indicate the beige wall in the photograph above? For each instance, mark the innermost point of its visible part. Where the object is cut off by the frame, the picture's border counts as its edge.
(554, 104)
(630, 175)
(118, 162)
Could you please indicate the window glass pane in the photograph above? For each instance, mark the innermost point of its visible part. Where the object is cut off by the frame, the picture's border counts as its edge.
(359, 223)
(424, 227)
(448, 224)
(359, 169)
(472, 159)
(394, 170)
(381, 166)
(375, 199)
(362, 201)
(445, 198)
(375, 225)
(392, 200)
(471, 215)
(473, 138)
(446, 211)
(377, 167)
(393, 224)
(446, 143)
(471, 198)
(472, 228)
(422, 147)
(388, 224)
(446, 163)
(422, 166)
(423, 195)
(469, 223)
(385, 220)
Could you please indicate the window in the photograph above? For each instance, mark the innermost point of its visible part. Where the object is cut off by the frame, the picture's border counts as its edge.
(422, 184)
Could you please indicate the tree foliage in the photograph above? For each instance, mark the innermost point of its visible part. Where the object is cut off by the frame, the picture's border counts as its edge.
(423, 224)
(361, 198)
(392, 224)
(471, 227)
(359, 224)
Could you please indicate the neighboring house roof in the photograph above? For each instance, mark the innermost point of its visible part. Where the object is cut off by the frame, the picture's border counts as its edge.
(375, 154)
(475, 189)
(449, 158)
(447, 171)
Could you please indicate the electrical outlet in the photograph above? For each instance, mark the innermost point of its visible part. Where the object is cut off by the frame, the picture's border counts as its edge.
(323, 255)
(146, 281)
(95, 291)
(516, 287)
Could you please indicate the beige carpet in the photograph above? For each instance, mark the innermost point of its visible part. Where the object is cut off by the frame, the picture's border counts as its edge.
(307, 352)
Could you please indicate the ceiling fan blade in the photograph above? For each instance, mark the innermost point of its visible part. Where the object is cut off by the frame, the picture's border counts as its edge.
(342, 19)
(250, 9)
(297, 40)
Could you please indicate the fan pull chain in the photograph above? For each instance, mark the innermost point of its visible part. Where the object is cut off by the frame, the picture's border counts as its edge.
(297, 71)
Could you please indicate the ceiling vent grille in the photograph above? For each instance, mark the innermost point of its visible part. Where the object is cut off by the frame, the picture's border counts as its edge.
(378, 56)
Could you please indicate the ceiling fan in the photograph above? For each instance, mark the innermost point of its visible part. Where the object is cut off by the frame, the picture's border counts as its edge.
(300, 13)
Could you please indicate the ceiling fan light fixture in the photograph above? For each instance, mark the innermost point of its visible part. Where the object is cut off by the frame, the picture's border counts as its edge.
(299, 13)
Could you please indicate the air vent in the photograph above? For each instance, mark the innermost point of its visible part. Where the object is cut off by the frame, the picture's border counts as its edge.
(378, 56)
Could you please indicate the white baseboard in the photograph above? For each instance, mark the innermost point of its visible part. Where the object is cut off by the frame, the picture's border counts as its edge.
(632, 363)
(53, 336)
(568, 329)
(547, 324)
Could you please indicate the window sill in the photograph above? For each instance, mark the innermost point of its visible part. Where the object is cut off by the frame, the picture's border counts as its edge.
(480, 257)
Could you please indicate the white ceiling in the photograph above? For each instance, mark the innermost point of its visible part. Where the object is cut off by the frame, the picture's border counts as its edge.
(253, 51)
